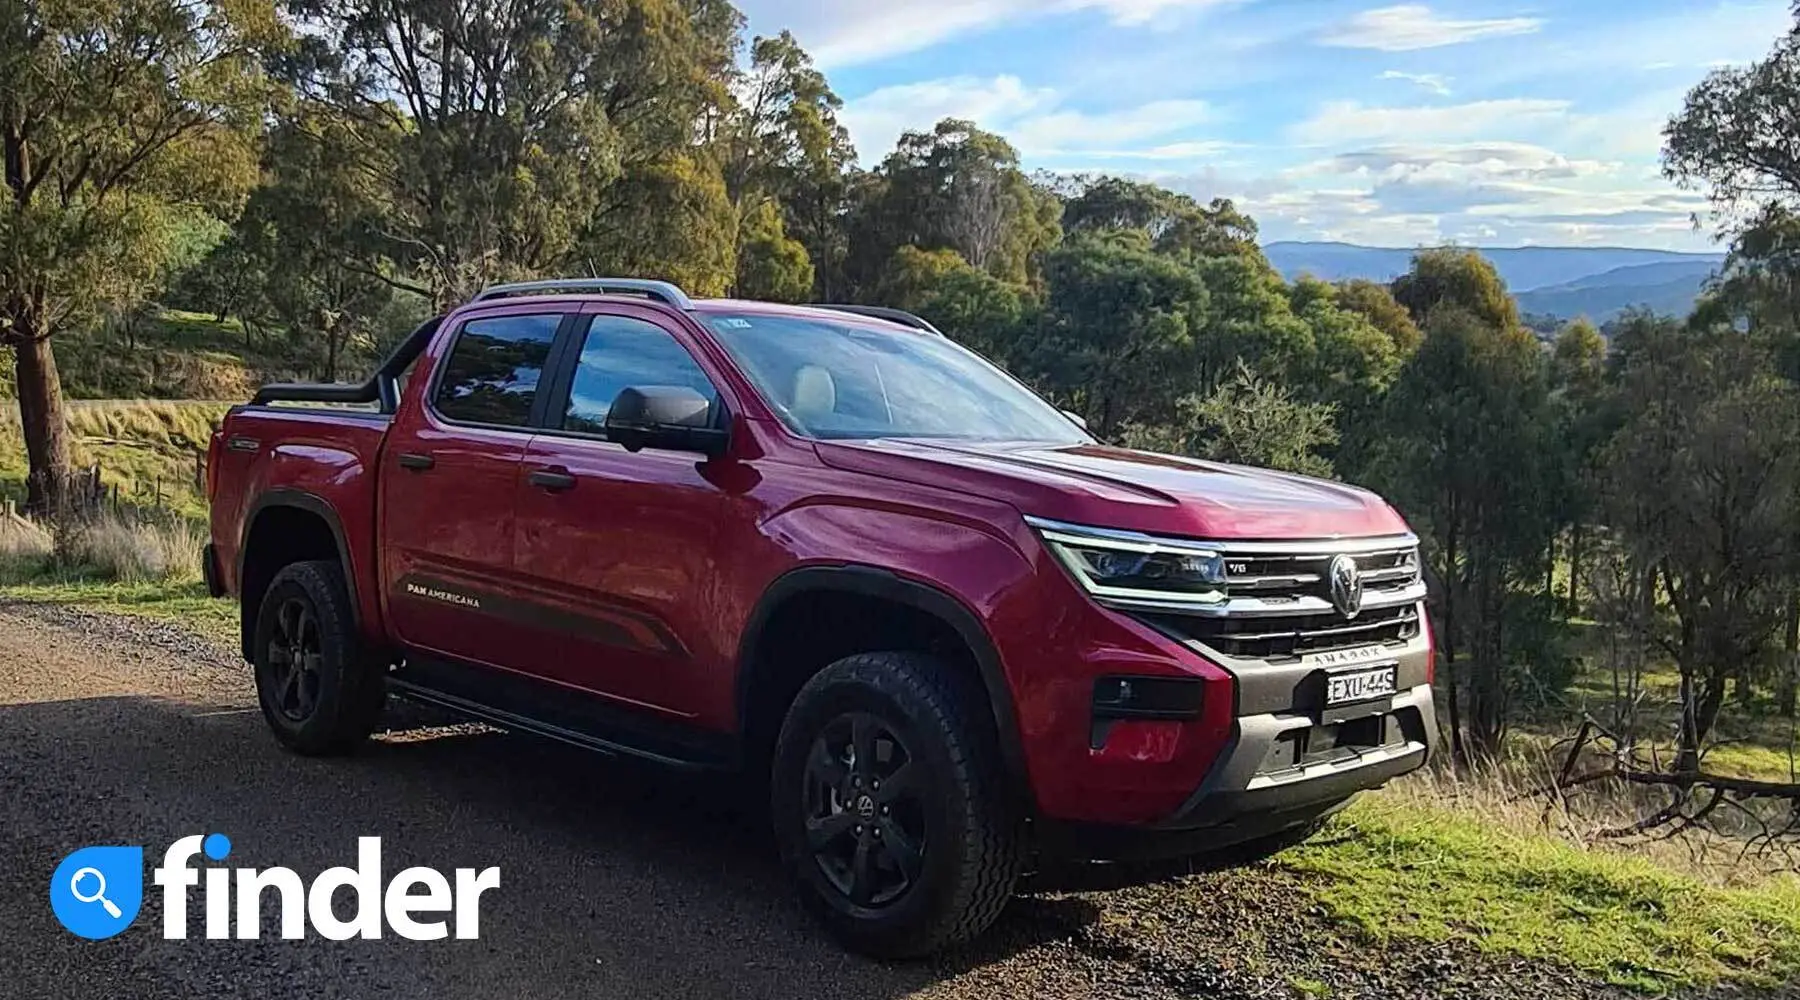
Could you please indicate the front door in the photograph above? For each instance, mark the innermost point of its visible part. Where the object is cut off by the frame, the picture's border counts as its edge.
(618, 546)
(450, 476)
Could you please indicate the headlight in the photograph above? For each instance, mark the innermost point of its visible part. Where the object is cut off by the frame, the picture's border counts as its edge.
(1139, 569)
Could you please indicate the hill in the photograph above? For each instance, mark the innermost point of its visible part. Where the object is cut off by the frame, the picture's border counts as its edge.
(1523, 268)
(1669, 288)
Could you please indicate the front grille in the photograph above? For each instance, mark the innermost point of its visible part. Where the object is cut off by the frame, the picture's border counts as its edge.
(1277, 638)
(1281, 605)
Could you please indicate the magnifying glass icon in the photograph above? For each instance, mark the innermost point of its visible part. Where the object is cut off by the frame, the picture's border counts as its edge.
(99, 893)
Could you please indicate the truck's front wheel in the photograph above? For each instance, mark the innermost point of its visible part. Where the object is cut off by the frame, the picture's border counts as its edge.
(319, 691)
(890, 807)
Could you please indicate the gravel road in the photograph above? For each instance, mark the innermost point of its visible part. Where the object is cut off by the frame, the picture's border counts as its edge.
(617, 880)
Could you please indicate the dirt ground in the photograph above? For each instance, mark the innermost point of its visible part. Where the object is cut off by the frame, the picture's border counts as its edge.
(617, 880)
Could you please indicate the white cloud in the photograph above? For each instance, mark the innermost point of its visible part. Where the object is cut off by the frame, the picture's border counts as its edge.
(1437, 83)
(1512, 159)
(847, 32)
(1195, 150)
(1469, 178)
(1034, 120)
(1133, 12)
(1414, 26)
(1077, 131)
(876, 120)
(1351, 121)
(1494, 193)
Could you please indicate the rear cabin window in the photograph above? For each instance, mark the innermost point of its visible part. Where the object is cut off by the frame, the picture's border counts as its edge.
(491, 376)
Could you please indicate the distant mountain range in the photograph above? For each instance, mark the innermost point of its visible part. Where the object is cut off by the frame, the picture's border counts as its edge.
(1597, 282)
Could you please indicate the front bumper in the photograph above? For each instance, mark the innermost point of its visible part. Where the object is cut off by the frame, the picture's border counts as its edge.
(1272, 764)
(1268, 780)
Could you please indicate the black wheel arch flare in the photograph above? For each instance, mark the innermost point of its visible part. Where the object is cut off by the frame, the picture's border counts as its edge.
(871, 581)
(312, 504)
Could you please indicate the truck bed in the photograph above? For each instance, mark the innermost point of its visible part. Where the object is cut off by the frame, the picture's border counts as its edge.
(329, 454)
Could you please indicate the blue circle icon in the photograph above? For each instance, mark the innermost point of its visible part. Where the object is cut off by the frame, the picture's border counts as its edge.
(216, 846)
(96, 891)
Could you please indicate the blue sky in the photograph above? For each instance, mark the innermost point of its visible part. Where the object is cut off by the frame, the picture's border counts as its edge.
(1492, 122)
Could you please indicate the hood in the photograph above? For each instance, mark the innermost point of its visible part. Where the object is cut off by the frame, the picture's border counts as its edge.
(1134, 490)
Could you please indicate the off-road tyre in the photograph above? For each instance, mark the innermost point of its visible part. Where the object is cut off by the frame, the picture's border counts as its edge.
(955, 805)
(334, 701)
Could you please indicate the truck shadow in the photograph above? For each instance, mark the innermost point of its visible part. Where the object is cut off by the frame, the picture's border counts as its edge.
(618, 879)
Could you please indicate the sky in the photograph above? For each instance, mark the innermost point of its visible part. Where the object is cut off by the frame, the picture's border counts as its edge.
(1484, 122)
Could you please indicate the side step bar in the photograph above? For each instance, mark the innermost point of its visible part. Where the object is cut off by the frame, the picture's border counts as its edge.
(583, 720)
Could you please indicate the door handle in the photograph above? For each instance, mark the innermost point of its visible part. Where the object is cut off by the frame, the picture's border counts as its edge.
(417, 463)
(554, 480)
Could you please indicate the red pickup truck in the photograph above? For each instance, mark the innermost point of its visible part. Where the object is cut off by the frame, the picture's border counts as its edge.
(956, 638)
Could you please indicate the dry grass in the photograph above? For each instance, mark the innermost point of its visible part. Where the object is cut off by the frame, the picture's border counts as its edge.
(24, 548)
(107, 549)
(127, 551)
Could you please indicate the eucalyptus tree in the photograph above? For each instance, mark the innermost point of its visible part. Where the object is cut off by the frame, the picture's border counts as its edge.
(118, 121)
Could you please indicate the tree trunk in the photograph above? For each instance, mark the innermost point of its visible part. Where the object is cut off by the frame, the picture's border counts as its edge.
(1550, 576)
(1700, 704)
(1575, 554)
(1448, 641)
(1487, 691)
(1711, 701)
(1788, 689)
(41, 419)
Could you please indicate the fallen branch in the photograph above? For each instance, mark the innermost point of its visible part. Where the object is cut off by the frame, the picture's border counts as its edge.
(1696, 795)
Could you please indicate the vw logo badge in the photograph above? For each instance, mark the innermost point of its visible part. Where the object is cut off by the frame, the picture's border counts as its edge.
(1346, 586)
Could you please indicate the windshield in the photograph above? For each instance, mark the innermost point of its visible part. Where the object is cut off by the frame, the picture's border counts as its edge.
(840, 380)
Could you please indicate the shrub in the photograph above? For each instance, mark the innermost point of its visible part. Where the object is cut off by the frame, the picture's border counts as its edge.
(110, 548)
(128, 551)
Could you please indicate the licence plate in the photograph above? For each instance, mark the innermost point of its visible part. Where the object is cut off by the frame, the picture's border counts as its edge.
(1361, 685)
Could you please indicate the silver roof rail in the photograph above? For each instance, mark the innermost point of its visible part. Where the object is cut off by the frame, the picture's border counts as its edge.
(663, 291)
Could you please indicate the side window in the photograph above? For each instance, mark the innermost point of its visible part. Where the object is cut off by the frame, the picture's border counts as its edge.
(491, 376)
(621, 352)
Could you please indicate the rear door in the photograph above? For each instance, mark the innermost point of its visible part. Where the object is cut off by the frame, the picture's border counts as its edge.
(614, 545)
(450, 478)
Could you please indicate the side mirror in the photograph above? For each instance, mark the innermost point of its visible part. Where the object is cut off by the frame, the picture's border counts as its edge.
(665, 417)
(1076, 419)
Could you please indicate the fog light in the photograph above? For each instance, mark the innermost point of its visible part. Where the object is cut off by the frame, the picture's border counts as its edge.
(1147, 698)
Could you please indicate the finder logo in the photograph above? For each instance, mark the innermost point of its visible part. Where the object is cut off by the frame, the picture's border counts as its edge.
(96, 892)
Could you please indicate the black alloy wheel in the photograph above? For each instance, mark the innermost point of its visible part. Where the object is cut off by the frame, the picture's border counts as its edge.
(865, 821)
(295, 656)
(891, 806)
(320, 688)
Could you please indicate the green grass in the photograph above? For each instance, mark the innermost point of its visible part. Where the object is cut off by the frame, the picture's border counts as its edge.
(1756, 761)
(1312, 989)
(1394, 868)
(180, 355)
(146, 449)
(183, 603)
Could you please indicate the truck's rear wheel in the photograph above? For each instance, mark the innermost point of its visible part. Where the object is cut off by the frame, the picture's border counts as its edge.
(319, 691)
(890, 807)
